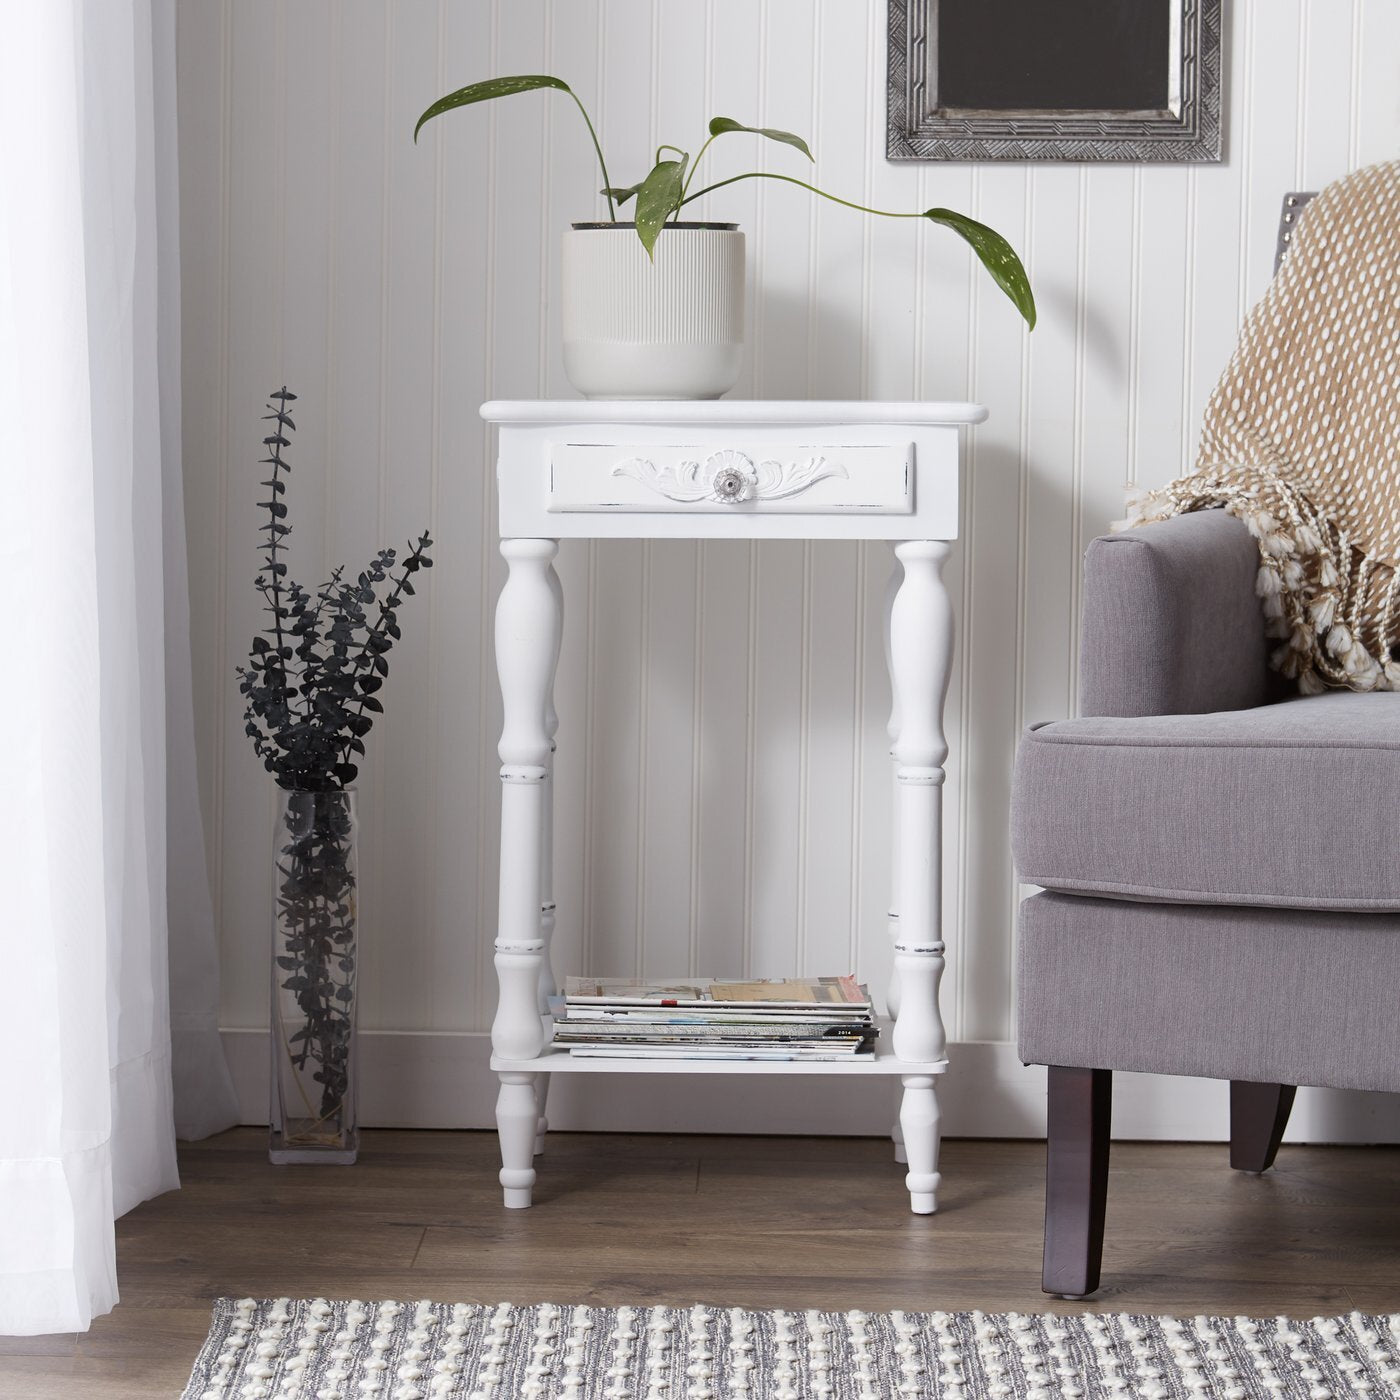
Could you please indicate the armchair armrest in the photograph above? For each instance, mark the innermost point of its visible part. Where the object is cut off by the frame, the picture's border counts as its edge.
(1171, 623)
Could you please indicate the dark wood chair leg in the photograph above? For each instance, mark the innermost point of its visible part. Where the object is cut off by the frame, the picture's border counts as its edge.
(1076, 1178)
(1258, 1116)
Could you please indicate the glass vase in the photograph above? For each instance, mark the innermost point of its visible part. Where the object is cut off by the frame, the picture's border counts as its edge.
(313, 979)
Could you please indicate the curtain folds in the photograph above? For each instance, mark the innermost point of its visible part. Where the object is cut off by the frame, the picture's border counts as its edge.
(87, 392)
(205, 1101)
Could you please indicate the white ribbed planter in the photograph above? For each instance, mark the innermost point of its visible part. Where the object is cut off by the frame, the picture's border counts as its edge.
(672, 328)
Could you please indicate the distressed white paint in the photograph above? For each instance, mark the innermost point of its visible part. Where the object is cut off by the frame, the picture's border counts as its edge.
(918, 648)
(627, 480)
(398, 287)
(921, 655)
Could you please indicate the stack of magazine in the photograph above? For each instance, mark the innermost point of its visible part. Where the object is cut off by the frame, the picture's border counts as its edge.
(708, 1018)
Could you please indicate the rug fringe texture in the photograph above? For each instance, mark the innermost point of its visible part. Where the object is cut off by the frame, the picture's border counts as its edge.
(319, 1349)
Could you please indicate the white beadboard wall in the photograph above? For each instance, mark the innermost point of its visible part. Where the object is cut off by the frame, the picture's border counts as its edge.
(722, 707)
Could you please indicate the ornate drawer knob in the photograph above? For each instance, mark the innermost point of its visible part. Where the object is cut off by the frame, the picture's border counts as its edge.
(730, 485)
(734, 480)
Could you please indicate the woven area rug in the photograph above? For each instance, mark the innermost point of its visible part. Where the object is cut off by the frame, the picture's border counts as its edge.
(284, 1349)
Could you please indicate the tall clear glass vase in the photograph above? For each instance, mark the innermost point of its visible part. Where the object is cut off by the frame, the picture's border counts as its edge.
(313, 979)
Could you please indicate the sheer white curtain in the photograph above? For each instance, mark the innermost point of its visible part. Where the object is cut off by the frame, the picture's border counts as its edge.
(90, 454)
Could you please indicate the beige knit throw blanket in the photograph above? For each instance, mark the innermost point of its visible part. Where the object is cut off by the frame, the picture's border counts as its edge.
(1302, 441)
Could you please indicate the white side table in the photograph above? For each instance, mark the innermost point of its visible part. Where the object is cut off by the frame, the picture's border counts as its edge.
(725, 469)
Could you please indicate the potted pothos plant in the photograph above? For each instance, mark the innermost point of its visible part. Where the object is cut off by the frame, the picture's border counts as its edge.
(311, 688)
(641, 325)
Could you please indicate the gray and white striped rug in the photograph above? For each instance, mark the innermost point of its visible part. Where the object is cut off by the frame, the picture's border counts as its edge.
(317, 1349)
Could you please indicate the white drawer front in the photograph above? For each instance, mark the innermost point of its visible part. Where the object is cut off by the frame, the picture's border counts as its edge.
(774, 479)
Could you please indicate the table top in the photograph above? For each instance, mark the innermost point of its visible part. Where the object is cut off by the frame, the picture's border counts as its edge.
(806, 412)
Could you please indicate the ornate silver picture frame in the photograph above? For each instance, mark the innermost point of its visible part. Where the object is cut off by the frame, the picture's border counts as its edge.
(1139, 82)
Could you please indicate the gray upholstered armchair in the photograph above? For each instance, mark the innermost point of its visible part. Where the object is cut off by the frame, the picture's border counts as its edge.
(1221, 870)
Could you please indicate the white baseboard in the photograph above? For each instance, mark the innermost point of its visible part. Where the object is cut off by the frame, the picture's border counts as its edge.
(441, 1080)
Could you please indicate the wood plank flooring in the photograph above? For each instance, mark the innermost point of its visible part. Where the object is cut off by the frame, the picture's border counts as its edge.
(761, 1222)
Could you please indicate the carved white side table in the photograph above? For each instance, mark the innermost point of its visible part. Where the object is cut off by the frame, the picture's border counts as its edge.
(725, 469)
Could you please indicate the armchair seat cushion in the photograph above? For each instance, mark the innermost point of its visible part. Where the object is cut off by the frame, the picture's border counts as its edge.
(1294, 805)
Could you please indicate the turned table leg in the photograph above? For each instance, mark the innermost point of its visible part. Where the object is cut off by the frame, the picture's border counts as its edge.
(516, 1116)
(528, 624)
(921, 649)
(549, 983)
(892, 729)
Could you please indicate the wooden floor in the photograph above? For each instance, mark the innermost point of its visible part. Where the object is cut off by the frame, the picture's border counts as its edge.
(762, 1222)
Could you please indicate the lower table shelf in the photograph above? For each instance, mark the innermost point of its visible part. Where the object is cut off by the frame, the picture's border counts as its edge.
(520, 1108)
(883, 1061)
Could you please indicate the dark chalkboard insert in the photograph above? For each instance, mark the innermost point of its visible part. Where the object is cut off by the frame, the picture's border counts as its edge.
(1053, 55)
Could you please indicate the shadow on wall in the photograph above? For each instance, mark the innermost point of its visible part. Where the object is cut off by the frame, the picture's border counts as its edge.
(996, 699)
(802, 348)
(1344, 1115)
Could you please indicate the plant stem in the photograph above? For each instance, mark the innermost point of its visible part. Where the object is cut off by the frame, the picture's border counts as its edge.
(313, 623)
(602, 164)
(281, 1024)
(365, 660)
(691, 173)
(788, 179)
(272, 538)
(301, 1091)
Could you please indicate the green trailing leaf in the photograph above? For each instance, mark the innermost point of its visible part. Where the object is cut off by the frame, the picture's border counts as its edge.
(622, 195)
(720, 126)
(486, 91)
(507, 87)
(658, 197)
(997, 256)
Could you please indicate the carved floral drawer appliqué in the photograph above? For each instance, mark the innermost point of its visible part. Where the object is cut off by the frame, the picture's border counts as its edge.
(778, 478)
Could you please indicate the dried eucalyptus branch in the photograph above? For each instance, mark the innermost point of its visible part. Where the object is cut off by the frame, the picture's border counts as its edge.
(313, 672)
(309, 687)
